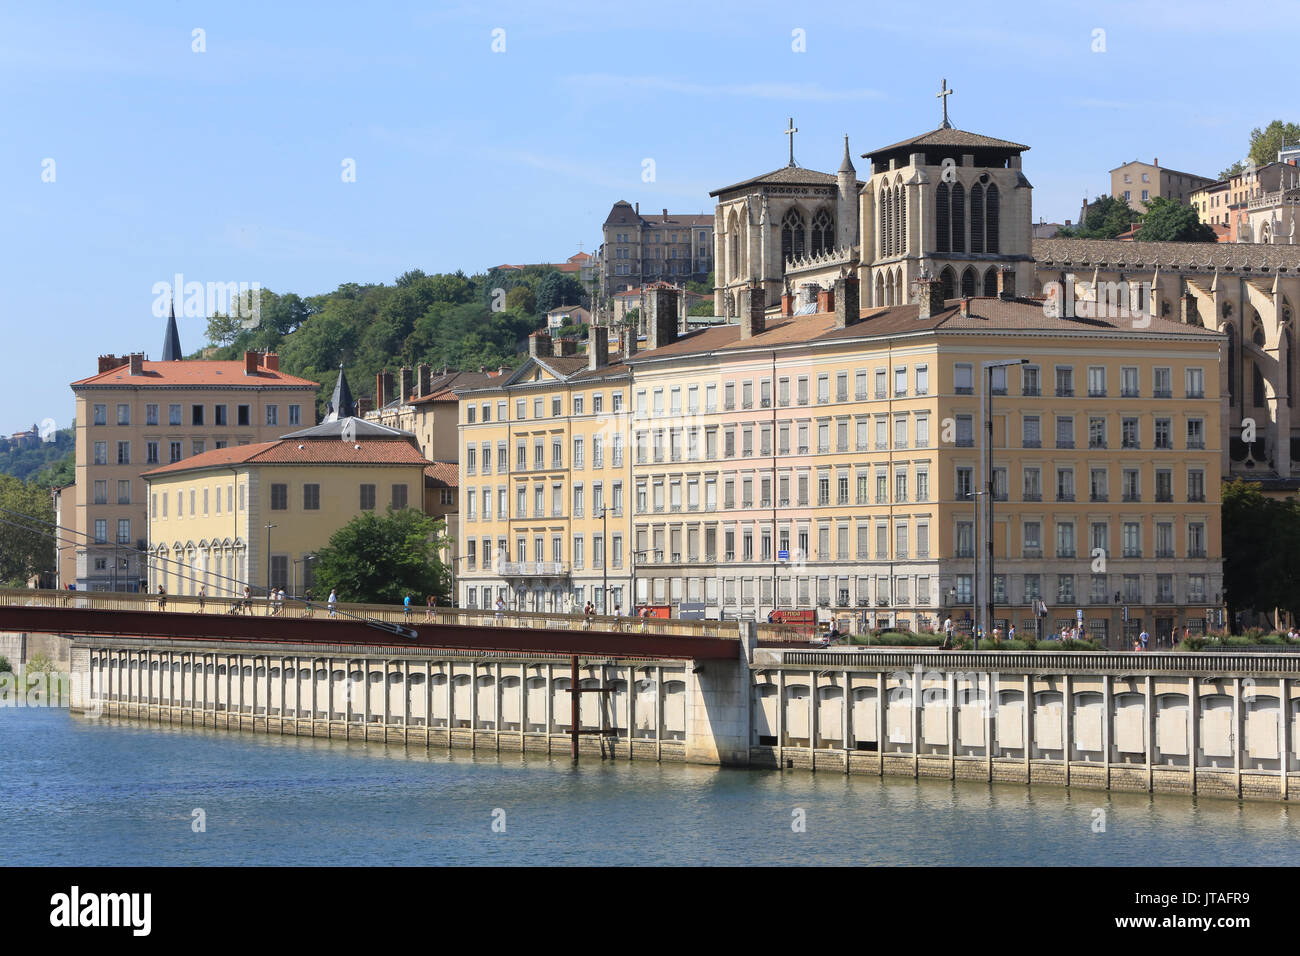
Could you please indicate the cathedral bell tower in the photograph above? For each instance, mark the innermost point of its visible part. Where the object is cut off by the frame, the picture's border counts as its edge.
(949, 203)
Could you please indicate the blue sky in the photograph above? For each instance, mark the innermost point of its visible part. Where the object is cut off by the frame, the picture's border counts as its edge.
(225, 165)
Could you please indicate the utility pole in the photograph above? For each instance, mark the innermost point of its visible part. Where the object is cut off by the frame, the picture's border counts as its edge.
(984, 574)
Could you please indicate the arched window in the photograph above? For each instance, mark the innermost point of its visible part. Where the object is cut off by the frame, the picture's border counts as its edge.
(1257, 331)
(992, 209)
(1259, 386)
(890, 297)
(977, 218)
(991, 281)
(1288, 373)
(948, 283)
(889, 222)
(792, 235)
(733, 238)
(823, 232)
(958, 218)
(883, 233)
(1232, 365)
(880, 288)
(942, 219)
(900, 223)
(968, 282)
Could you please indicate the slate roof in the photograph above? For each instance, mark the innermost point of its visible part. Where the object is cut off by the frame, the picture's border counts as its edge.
(172, 339)
(1248, 258)
(785, 176)
(950, 137)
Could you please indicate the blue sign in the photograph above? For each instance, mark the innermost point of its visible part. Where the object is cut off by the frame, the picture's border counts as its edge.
(783, 555)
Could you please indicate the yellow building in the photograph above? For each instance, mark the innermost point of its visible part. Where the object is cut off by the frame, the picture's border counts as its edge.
(208, 515)
(134, 415)
(543, 478)
(828, 461)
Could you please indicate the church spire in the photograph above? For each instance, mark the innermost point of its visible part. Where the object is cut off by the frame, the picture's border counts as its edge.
(846, 165)
(172, 339)
(341, 405)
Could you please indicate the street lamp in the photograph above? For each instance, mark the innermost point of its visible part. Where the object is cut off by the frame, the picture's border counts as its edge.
(604, 559)
(984, 582)
(268, 559)
(303, 561)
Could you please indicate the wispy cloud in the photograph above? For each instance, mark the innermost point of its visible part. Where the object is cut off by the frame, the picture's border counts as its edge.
(795, 92)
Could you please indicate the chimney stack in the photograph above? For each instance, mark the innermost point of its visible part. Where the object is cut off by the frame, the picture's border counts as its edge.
(661, 323)
(825, 301)
(108, 362)
(362, 406)
(929, 297)
(272, 361)
(137, 363)
(383, 388)
(424, 379)
(638, 209)
(407, 379)
(629, 341)
(1006, 283)
(539, 344)
(787, 304)
(847, 311)
(965, 307)
(597, 347)
(251, 360)
(753, 320)
(665, 215)
(564, 347)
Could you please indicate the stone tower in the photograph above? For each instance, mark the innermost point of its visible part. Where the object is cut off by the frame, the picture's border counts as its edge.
(847, 213)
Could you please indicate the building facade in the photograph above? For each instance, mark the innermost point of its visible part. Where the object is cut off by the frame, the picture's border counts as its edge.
(135, 415)
(672, 247)
(1140, 182)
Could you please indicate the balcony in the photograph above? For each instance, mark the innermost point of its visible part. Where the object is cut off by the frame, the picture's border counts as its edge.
(1131, 444)
(1099, 496)
(860, 395)
(1132, 553)
(1195, 497)
(1165, 496)
(1196, 393)
(803, 449)
(1162, 393)
(1031, 391)
(1131, 497)
(1097, 443)
(1065, 443)
(1029, 552)
(1032, 443)
(1064, 391)
(1065, 496)
(1196, 552)
(1096, 393)
(533, 569)
(1195, 443)
(881, 393)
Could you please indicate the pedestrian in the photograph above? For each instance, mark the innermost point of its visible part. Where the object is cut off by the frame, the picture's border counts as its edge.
(947, 632)
(1143, 638)
(428, 607)
(406, 608)
(306, 597)
(248, 600)
(1187, 632)
(333, 601)
(1011, 633)
(500, 608)
(162, 598)
(997, 634)
(645, 617)
(202, 595)
(1136, 645)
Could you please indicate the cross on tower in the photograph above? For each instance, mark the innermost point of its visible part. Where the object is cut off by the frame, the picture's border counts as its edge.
(790, 132)
(943, 95)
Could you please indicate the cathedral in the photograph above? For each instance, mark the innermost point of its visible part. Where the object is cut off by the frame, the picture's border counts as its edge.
(955, 206)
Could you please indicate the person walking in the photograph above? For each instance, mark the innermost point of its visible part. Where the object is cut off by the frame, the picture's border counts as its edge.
(248, 600)
(308, 610)
(947, 633)
(500, 609)
(162, 598)
(1143, 638)
(1011, 632)
(645, 617)
(618, 617)
(333, 601)
(428, 607)
(202, 596)
(406, 608)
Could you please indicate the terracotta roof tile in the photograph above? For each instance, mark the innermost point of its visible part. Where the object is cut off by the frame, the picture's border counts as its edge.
(305, 452)
(203, 372)
(442, 474)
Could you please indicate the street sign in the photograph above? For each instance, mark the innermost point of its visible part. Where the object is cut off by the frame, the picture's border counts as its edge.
(783, 555)
(1078, 615)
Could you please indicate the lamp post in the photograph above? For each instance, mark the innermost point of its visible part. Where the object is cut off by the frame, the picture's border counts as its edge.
(984, 582)
(604, 559)
(268, 559)
(303, 561)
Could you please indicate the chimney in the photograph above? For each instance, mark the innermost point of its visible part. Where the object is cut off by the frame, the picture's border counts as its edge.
(108, 362)
(661, 323)
(539, 344)
(564, 347)
(1157, 162)
(638, 209)
(250, 362)
(665, 215)
(501, 369)
(597, 347)
(965, 307)
(753, 320)
(846, 301)
(137, 363)
(825, 301)
(383, 388)
(271, 362)
(929, 297)
(629, 341)
(406, 377)
(362, 405)
(1006, 283)
(787, 304)
(424, 379)
(1067, 222)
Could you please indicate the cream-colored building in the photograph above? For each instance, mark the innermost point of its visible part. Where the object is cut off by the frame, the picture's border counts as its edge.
(135, 415)
(1140, 182)
(544, 476)
(208, 515)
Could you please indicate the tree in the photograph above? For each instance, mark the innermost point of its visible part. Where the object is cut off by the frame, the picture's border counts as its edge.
(1106, 218)
(701, 308)
(1168, 220)
(26, 541)
(703, 288)
(1261, 550)
(377, 559)
(556, 289)
(521, 301)
(1264, 143)
(1236, 169)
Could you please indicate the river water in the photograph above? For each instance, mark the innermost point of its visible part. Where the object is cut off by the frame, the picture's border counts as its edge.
(82, 792)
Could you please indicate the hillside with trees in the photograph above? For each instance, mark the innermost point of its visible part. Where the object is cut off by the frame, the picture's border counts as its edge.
(447, 319)
(30, 457)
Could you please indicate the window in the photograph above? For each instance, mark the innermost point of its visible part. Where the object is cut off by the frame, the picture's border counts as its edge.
(1195, 383)
(219, 416)
(100, 416)
(151, 414)
(1162, 383)
(279, 497)
(1065, 547)
(1031, 432)
(1195, 540)
(174, 452)
(1065, 484)
(963, 379)
(173, 414)
(1195, 484)
(1096, 432)
(311, 497)
(964, 483)
(1064, 380)
(1029, 380)
(123, 492)
(1033, 485)
(1132, 539)
(399, 497)
(1128, 383)
(1163, 434)
(124, 414)
(101, 492)
(124, 453)
(295, 415)
(1132, 486)
(1129, 434)
(922, 380)
(196, 415)
(123, 530)
(1032, 539)
(243, 415)
(273, 414)
(1195, 433)
(151, 452)
(1096, 381)
(1065, 431)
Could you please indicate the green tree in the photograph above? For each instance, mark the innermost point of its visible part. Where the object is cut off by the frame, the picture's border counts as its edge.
(26, 542)
(1168, 220)
(556, 289)
(1264, 143)
(701, 308)
(1106, 218)
(1236, 169)
(1261, 550)
(377, 559)
(703, 288)
(521, 300)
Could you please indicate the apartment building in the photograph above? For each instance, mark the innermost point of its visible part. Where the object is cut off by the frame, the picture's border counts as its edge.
(829, 460)
(637, 249)
(1140, 182)
(544, 475)
(134, 415)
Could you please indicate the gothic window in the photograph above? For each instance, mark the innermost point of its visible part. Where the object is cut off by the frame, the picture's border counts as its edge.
(733, 237)
(880, 288)
(948, 282)
(968, 282)
(1288, 375)
(792, 235)
(942, 220)
(1232, 364)
(1259, 386)
(991, 281)
(823, 232)
(992, 209)
(900, 225)
(889, 222)
(977, 218)
(884, 216)
(958, 218)
(1257, 333)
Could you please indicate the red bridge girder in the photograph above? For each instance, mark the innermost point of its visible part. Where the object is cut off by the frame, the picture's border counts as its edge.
(324, 630)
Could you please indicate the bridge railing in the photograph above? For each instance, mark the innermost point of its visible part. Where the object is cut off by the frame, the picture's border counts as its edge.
(318, 609)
